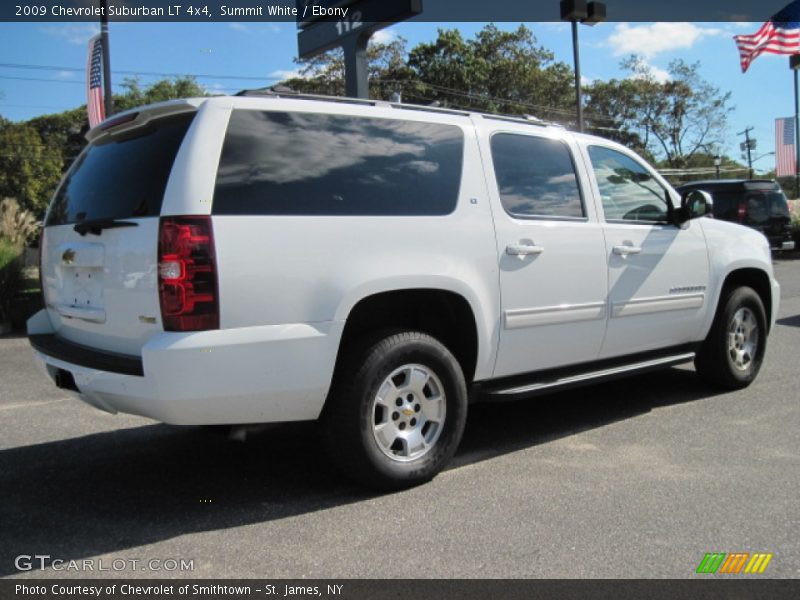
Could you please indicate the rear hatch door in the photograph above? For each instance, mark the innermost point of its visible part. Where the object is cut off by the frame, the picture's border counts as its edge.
(100, 242)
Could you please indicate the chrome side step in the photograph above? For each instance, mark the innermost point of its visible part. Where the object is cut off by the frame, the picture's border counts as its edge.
(587, 377)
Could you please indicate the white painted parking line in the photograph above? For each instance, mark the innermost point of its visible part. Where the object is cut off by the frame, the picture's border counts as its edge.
(26, 404)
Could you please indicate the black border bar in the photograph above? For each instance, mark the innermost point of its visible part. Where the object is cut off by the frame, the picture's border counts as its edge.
(440, 11)
(712, 588)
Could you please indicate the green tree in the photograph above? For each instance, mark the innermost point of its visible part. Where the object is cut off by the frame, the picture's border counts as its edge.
(65, 130)
(497, 71)
(164, 89)
(30, 167)
(324, 74)
(673, 119)
(34, 154)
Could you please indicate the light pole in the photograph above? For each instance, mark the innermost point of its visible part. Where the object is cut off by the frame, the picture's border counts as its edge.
(590, 14)
(717, 163)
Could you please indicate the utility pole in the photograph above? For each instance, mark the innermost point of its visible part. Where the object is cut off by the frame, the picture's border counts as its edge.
(748, 145)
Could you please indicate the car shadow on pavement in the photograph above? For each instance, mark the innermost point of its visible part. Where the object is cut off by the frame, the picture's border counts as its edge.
(790, 321)
(786, 255)
(112, 491)
(14, 335)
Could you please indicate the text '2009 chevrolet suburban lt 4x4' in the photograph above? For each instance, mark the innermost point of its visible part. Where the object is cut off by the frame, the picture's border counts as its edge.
(378, 266)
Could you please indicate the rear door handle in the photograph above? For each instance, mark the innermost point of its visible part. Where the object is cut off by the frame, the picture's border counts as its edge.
(626, 250)
(523, 249)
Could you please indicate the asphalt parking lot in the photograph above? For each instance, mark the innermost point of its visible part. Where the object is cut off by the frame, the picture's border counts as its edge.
(637, 478)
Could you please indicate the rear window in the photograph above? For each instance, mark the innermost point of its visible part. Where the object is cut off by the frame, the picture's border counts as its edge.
(277, 163)
(121, 177)
(758, 206)
(778, 205)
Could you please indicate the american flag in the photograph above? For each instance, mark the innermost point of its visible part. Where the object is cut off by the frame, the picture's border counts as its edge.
(779, 35)
(785, 149)
(94, 83)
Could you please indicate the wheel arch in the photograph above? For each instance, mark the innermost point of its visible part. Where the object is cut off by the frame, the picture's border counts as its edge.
(442, 313)
(752, 277)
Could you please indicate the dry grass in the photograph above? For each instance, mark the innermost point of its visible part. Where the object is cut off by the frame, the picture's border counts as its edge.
(17, 225)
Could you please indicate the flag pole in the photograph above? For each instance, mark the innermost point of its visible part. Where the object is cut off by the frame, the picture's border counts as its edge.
(796, 135)
(108, 100)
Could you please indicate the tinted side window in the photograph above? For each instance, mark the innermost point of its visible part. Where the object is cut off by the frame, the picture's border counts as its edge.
(535, 176)
(314, 164)
(726, 205)
(121, 177)
(628, 191)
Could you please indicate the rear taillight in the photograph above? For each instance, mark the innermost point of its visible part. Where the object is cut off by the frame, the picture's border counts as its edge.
(187, 274)
(742, 211)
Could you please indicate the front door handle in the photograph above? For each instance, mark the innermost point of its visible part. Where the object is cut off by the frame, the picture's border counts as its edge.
(523, 249)
(626, 250)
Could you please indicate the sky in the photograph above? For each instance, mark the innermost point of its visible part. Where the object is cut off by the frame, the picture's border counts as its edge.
(41, 64)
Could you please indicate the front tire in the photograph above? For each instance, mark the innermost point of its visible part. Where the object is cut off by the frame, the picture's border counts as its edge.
(397, 411)
(732, 354)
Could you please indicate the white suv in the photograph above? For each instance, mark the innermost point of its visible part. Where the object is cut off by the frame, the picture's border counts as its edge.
(378, 266)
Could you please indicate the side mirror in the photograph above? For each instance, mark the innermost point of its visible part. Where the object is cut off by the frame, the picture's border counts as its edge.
(695, 204)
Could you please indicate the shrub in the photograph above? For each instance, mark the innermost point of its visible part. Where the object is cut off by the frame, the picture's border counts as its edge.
(794, 212)
(10, 276)
(17, 225)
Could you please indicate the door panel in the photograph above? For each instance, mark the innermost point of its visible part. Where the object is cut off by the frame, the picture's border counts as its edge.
(657, 271)
(553, 303)
(553, 275)
(657, 297)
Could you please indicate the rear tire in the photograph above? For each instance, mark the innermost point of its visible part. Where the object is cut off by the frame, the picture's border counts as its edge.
(731, 355)
(396, 412)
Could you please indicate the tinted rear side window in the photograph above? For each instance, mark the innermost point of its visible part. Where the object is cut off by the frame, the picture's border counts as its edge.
(121, 177)
(726, 205)
(313, 164)
(535, 176)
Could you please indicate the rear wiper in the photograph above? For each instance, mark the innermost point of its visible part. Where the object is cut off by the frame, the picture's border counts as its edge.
(96, 226)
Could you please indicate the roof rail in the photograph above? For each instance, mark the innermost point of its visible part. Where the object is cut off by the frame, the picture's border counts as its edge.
(527, 119)
(434, 109)
(286, 92)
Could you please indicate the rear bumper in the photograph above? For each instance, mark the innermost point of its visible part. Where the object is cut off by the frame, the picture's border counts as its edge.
(250, 375)
(781, 242)
(50, 345)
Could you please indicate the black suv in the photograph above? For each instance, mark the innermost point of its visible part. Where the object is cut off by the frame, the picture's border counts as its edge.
(757, 203)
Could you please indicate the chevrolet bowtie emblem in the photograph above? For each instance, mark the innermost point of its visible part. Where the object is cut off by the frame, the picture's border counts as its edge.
(69, 256)
(408, 412)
